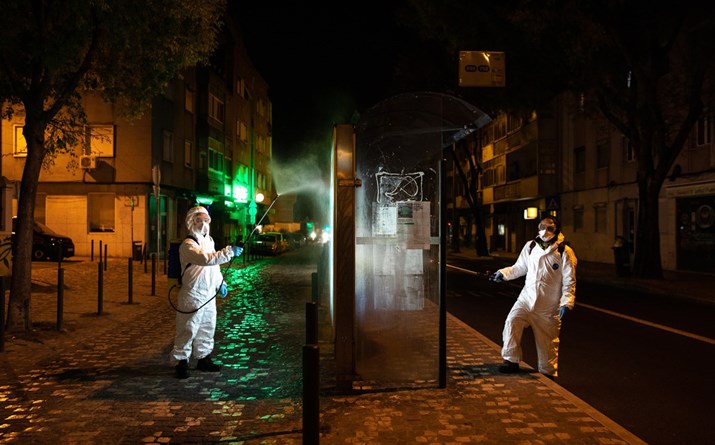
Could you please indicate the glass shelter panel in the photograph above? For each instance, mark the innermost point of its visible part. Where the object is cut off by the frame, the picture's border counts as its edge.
(399, 146)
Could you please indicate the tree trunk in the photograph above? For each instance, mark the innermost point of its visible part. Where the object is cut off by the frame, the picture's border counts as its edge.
(19, 317)
(646, 260)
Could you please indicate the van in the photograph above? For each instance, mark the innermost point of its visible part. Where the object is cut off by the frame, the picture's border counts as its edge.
(269, 243)
(46, 243)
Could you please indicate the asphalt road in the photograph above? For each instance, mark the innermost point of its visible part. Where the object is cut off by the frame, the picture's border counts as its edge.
(644, 361)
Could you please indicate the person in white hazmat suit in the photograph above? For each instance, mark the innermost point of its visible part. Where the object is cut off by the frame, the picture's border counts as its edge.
(549, 293)
(201, 282)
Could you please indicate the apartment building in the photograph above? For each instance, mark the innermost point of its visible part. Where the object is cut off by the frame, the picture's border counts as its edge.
(562, 161)
(206, 140)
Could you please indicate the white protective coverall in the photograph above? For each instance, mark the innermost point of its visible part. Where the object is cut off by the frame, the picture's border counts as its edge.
(550, 284)
(201, 281)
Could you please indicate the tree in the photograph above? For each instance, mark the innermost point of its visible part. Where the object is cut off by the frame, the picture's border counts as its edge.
(51, 51)
(648, 66)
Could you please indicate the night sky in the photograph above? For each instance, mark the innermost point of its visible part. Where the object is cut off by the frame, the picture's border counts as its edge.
(322, 61)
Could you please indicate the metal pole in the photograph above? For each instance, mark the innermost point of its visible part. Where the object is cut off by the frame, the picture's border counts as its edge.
(153, 275)
(100, 286)
(442, 278)
(91, 251)
(60, 297)
(311, 395)
(2, 314)
(311, 323)
(130, 286)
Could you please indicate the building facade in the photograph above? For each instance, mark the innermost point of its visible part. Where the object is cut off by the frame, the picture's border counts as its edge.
(562, 161)
(206, 139)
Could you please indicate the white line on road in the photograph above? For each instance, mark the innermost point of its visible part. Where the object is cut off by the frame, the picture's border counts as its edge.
(649, 323)
(471, 272)
(625, 317)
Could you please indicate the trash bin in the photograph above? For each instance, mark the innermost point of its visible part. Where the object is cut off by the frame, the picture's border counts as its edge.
(137, 250)
(622, 257)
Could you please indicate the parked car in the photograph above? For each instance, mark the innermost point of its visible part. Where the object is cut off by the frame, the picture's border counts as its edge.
(268, 244)
(46, 243)
(296, 240)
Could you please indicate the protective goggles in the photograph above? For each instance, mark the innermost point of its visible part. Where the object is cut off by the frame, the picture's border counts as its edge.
(548, 226)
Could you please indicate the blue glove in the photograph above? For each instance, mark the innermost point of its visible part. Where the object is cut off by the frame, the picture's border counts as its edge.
(237, 250)
(562, 311)
(497, 277)
(223, 290)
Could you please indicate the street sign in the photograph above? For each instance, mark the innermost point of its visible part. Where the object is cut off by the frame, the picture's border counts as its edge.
(481, 69)
(553, 202)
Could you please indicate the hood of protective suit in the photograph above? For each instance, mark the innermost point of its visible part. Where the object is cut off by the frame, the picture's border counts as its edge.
(193, 224)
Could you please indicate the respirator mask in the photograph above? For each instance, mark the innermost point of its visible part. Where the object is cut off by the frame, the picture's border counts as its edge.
(547, 231)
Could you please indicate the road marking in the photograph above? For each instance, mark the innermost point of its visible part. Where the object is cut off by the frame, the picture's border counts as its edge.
(471, 272)
(649, 323)
(616, 314)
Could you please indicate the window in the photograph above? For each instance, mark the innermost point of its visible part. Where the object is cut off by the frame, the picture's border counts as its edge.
(188, 100)
(579, 159)
(577, 218)
(241, 87)
(601, 220)
(100, 140)
(188, 153)
(703, 130)
(168, 146)
(20, 148)
(603, 153)
(216, 161)
(627, 148)
(216, 108)
(100, 212)
(241, 131)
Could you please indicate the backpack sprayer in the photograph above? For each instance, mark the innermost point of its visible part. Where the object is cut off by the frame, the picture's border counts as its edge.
(177, 285)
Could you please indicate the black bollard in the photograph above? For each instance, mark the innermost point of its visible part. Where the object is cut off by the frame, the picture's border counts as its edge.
(100, 286)
(311, 395)
(153, 275)
(60, 297)
(311, 323)
(91, 251)
(130, 287)
(2, 314)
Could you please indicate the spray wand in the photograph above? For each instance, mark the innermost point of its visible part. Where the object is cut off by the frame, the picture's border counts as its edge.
(260, 220)
(223, 282)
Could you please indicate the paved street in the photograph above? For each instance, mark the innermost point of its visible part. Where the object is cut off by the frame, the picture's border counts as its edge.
(106, 378)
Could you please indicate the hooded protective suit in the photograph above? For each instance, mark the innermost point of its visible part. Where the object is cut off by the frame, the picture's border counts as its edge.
(201, 281)
(550, 284)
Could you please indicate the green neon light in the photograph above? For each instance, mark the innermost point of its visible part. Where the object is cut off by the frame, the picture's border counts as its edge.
(204, 200)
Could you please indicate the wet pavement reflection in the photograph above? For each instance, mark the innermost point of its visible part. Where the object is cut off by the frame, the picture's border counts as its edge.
(107, 378)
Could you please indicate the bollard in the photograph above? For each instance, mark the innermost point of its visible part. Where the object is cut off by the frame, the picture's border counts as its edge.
(2, 314)
(153, 275)
(100, 251)
(100, 286)
(105, 257)
(60, 297)
(91, 251)
(311, 395)
(130, 288)
(311, 323)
